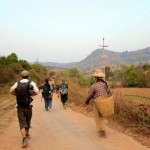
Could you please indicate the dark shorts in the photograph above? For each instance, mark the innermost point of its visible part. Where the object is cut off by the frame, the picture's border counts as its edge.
(64, 98)
(24, 116)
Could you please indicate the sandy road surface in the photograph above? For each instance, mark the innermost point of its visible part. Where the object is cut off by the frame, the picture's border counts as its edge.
(64, 130)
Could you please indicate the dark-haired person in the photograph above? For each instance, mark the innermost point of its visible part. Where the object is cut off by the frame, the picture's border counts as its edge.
(63, 89)
(99, 88)
(47, 94)
(24, 108)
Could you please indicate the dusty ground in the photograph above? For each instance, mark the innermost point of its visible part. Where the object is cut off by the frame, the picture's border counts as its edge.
(64, 130)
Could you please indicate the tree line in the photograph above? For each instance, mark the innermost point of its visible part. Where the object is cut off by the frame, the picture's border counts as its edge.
(126, 75)
(11, 66)
(130, 75)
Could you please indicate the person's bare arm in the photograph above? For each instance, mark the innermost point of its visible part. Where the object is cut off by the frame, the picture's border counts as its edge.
(12, 92)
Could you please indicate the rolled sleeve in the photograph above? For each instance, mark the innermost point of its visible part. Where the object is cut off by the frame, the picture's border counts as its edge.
(14, 86)
(35, 88)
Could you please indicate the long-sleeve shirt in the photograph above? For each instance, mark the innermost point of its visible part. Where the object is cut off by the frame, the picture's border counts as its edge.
(96, 90)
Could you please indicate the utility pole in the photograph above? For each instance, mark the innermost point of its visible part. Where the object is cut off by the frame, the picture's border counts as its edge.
(103, 55)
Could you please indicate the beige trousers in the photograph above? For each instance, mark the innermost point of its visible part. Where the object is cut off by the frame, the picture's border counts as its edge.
(99, 120)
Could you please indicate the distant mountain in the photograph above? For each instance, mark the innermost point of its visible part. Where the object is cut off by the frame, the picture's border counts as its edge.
(95, 59)
(126, 57)
(60, 65)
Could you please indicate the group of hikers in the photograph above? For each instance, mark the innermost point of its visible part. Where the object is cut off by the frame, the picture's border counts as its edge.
(24, 90)
(47, 90)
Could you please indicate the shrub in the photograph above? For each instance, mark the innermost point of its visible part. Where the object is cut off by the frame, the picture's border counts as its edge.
(132, 114)
(16, 67)
(7, 74)
(12, 58)
(25, 64)
(73, 72)
(38, 68)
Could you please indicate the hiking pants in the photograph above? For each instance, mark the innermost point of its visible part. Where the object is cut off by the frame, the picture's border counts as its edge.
(99, 120)
(48, 103)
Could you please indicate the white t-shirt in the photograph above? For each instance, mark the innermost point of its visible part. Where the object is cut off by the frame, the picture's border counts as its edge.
(35, 88)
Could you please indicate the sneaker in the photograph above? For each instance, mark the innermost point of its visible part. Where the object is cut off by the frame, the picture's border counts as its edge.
(28, 136)
(102, 133)
(49, 109)
(64, 106)
(24, 142)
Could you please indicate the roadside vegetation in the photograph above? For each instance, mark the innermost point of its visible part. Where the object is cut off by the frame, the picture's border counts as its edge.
(130, 86)
(130, 76)
(10, 69)
(132, 104)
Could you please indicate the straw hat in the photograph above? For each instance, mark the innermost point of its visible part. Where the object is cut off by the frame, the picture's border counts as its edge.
(99, 73)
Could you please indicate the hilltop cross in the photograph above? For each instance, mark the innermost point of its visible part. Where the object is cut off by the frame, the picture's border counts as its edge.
(103, 56)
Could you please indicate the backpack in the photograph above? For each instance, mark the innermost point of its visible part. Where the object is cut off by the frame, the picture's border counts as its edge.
(46, 90)
(63, 89)
(22, 94)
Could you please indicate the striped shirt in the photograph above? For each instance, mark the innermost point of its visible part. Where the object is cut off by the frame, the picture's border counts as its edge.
(96, 90)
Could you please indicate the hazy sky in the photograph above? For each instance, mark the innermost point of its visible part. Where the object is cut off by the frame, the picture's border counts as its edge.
(69, 30)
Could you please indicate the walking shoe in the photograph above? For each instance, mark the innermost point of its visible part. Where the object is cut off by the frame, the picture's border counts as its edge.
(28, 136)
(64, 106)
(24, 142)
(49, 109)
(102, 133)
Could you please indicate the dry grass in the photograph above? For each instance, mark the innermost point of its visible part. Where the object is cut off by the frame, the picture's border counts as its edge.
(145, 92)
(133, 113)
(7, 108)
(132, 109)
(77, 97)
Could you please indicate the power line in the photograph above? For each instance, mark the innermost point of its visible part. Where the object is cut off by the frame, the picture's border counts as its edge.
(124, 18)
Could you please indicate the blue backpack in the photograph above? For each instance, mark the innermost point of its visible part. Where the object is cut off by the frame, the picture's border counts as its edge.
(64, 89)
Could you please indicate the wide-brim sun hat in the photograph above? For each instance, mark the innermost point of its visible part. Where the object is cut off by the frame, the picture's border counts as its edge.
(25, 73)
(98, 73)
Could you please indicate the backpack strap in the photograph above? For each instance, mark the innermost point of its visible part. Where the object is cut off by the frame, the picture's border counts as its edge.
(29, 81)
(107, 87)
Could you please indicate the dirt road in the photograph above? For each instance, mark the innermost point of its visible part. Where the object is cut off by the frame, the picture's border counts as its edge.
(64, 130)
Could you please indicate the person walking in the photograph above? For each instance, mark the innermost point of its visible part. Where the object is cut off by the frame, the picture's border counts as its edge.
(63, 89)
(99, 88)
(23, 90)
(47, 94)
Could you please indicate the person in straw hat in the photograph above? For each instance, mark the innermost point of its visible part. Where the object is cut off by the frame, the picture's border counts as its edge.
(96, 90)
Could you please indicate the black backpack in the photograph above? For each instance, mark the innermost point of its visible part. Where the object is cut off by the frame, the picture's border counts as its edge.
(22, 94)
(46, 89)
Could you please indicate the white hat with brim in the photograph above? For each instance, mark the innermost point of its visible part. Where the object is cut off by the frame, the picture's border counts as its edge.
(98, 73)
